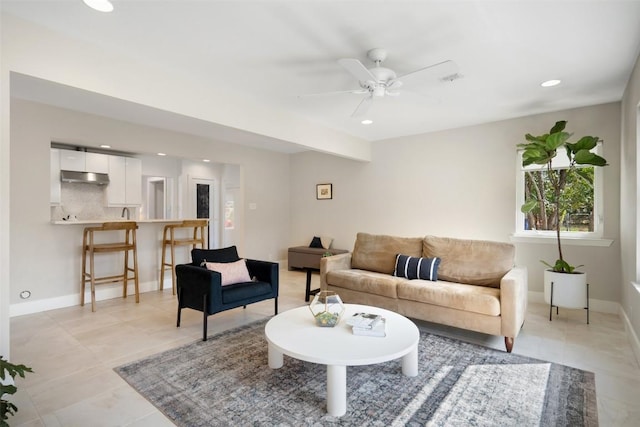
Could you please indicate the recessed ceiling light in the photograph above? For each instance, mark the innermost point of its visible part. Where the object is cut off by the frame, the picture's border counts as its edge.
(99, 5)
(366, 122)
(550, 83)
(161, 154)
(105, 146)
(206, 160)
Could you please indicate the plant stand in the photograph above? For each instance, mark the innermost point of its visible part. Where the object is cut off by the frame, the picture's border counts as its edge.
(566, 290)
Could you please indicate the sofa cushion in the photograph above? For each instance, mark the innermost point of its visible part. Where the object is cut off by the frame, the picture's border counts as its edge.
(416, 268)
(472, 298)
(474, 262)
(364, 281)
(378, 252)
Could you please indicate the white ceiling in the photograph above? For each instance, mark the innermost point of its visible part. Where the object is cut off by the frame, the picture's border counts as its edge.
(269, 52)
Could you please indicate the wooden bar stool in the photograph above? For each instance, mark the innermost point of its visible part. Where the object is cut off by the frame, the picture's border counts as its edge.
(126, 245)
(169, 239)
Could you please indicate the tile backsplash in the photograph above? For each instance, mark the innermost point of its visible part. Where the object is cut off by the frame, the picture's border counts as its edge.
(87, 202)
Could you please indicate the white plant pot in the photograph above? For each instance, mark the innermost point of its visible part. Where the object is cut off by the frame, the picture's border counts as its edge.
(569, 290)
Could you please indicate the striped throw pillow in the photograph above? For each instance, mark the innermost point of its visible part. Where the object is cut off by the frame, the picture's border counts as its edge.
(416, 268)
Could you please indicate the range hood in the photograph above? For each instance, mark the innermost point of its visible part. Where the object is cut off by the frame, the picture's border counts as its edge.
(84, 177)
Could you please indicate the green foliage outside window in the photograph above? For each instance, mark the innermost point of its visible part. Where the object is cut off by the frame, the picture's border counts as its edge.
(576, 199)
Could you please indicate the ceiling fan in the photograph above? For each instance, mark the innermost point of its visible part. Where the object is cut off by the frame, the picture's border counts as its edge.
(379, 81)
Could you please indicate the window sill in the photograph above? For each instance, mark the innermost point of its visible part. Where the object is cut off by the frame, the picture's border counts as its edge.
(571, 241)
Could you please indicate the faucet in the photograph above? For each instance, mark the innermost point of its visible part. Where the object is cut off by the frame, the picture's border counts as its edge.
(125, 209)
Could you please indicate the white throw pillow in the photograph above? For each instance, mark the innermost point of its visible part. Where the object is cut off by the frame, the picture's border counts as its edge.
(326, 241)
(232, 272)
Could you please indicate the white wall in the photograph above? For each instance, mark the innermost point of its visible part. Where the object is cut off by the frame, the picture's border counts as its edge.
(630, 198)
(457, 183)
(45, 258)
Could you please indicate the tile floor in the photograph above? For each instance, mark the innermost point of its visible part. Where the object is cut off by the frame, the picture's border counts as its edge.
(73, 352)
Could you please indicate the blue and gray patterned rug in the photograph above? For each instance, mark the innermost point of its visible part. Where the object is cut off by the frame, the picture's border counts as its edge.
(226, 382)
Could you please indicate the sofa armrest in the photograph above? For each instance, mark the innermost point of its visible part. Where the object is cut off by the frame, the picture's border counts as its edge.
(332, 263)
(513, 301)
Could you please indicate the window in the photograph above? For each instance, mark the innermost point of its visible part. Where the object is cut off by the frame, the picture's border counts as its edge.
(583, 215)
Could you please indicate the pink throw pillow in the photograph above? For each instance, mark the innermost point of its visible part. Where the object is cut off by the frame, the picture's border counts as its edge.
(232, 272)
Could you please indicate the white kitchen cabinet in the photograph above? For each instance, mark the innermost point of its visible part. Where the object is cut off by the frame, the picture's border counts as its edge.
(96, 162)
(133, 191)
(125, 181)
(81, 161)
(54, 169)
(71, 160)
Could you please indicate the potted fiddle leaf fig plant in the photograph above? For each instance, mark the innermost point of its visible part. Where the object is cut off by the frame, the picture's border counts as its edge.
(553, 184)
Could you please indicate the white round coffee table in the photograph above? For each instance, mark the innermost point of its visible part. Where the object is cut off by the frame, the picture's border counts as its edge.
(295, 334)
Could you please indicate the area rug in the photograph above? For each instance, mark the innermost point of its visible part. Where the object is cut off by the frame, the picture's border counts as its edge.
(226, 381)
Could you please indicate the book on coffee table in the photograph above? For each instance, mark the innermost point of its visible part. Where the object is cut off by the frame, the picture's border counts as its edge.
(378, 330)
(364, 320)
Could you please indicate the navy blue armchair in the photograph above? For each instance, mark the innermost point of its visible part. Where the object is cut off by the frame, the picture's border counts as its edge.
(201, 289)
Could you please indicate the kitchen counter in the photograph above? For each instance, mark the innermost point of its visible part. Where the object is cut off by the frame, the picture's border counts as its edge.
(101, 221)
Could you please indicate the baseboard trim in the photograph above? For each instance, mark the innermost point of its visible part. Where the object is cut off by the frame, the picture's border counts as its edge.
(631, 334)
(601, 306)
(103, 292)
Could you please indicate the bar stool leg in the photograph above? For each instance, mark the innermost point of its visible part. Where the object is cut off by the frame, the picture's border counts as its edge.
(125, 277)
(92, 273)
(135, 268)
(164, 256)
(84, 270)
(173, 267)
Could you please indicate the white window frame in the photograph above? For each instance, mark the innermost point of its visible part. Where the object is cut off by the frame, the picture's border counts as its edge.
(576, 237)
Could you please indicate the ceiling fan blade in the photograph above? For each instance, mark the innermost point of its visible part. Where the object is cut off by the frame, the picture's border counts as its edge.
(338, 92)
(440, 70)
(394, 84)
(363, 107)
(356, 68)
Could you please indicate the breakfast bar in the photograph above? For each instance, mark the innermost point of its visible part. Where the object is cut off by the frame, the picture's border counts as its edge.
(148, 247)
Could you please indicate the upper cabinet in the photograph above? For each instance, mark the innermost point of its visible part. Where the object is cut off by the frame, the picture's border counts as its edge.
(81, 161)
(133, 193)
(55, 193)
(71, 160)
(96, 162)
(125, 181)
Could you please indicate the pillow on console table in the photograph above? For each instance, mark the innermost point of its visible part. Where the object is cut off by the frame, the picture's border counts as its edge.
(315, 242)
(417, 268)
(323, 242)
(231, 272)
(326, 241)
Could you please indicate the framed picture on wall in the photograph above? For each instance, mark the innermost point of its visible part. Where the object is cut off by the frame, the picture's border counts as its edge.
(324, 191)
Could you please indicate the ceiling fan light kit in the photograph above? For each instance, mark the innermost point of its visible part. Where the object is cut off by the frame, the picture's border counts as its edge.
(378, 81)
(99, 5)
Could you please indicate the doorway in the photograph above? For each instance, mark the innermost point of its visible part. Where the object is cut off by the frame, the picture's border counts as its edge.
(204, 203)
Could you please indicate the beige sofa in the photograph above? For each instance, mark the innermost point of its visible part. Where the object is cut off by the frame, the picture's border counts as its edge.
(477, 288)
